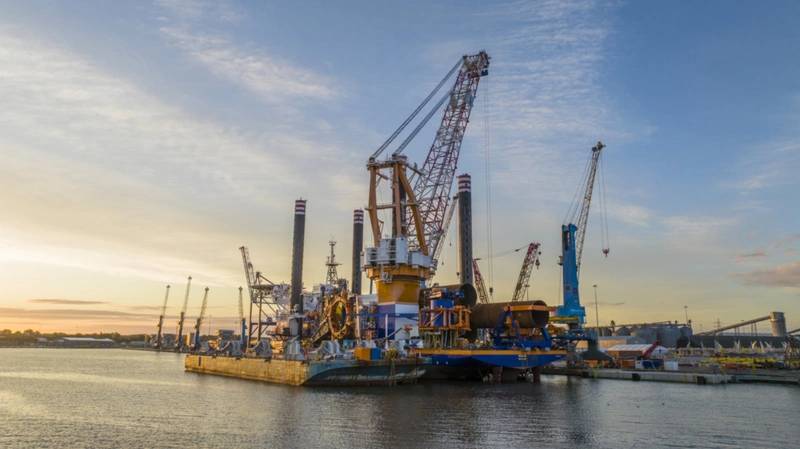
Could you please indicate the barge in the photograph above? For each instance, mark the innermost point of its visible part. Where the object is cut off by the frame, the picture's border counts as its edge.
(350, 372)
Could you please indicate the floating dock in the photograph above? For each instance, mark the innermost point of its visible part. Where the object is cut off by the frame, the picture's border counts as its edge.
(690, 377)
(304, 372)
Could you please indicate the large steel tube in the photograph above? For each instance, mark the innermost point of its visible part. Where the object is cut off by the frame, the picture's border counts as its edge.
(486, 316)
(358, 246)
(465, 229)
(296, 298)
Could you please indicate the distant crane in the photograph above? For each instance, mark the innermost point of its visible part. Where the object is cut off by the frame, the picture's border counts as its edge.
(266, 297)
(160, 337)
(179, 343)
(332, 278)
(242, 321)
(572, 237)
(199, 321)
(531, 260)
(480, 285)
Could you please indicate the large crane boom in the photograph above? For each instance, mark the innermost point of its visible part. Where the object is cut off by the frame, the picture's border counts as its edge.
(580, 215)
(200, 319)
(432, 187)
(531, 260)
(242, 321)
(480, 285)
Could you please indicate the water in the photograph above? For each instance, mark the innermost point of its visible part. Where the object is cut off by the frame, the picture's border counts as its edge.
(84, 398)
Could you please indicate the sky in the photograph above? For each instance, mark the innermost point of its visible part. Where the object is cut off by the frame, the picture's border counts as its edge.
(143, 142)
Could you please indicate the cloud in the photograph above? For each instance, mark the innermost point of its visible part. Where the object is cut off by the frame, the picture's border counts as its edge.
(786, 275)
(66, 301)
(547, 106)
(630, 214)
(697, 227)
(72, 314)
(749, 256)
(267, 76)
(194, 10)
(769, 165)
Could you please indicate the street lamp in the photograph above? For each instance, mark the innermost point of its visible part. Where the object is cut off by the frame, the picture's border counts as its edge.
(596, 311)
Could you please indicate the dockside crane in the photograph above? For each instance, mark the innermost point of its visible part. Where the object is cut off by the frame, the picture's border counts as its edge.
(267, 299)
(573, 233)
(419, 204)
(531, 260)
(199, 322)
(480, 284)
(181, 319)
(160, 337)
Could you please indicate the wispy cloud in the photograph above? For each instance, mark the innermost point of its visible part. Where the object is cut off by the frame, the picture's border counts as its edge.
(630, 213)
(76, 302)
(547, 105)
(750, 256)
(786, 275)
(193, 10)
(271, 78)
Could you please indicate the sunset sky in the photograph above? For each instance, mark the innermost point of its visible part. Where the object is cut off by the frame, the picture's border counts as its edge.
(142, 142)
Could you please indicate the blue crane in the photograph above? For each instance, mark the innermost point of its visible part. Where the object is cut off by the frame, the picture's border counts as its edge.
(573, 233)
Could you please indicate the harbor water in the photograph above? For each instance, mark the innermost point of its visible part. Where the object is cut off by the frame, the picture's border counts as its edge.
(87, 398)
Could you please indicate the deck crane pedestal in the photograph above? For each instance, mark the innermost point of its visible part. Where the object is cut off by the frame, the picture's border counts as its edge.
(402, 262)
(573, 233)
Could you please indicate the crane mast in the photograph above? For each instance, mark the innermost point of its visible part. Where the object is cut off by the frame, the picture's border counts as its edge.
(160, 337)
(480, 285)
(531, 260)
(418, 207)
(572, 238)
(199, 321)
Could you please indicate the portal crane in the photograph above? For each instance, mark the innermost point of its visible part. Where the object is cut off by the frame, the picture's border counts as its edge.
(160, 337)
(572, 237)
(399, 265)
(179, 344)
(531, 260)
(199, 322)
(480, 285)
(266, 297)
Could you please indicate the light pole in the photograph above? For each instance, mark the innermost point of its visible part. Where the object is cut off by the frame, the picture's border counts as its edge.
(686, 313)
(596, 311)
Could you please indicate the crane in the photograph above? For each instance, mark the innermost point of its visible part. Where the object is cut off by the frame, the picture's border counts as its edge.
(419, 203)
(572, 237)
(243, 325)
(160, 337)
(268, 298)
(480, 285)
(199, 321)
(531, 260)
(179, 343)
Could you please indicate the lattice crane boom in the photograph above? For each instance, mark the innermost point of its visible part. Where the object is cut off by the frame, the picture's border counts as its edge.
(480, 285)
(530, 261)
(581, 215)
(432, 185)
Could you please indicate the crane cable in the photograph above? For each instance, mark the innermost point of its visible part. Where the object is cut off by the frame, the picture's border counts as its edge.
(487, 142)
(603, 207)
(416, 111)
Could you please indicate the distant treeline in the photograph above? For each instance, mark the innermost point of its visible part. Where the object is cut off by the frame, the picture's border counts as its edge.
(30, 337)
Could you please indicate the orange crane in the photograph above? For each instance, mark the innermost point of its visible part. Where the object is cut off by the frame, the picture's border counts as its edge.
(531, 260)
(480, 285)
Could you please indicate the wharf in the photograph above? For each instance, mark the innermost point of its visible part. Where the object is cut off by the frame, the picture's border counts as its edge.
(309, 372)
(691, 377)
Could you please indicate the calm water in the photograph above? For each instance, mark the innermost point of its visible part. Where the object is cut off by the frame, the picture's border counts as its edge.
(61, 398)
